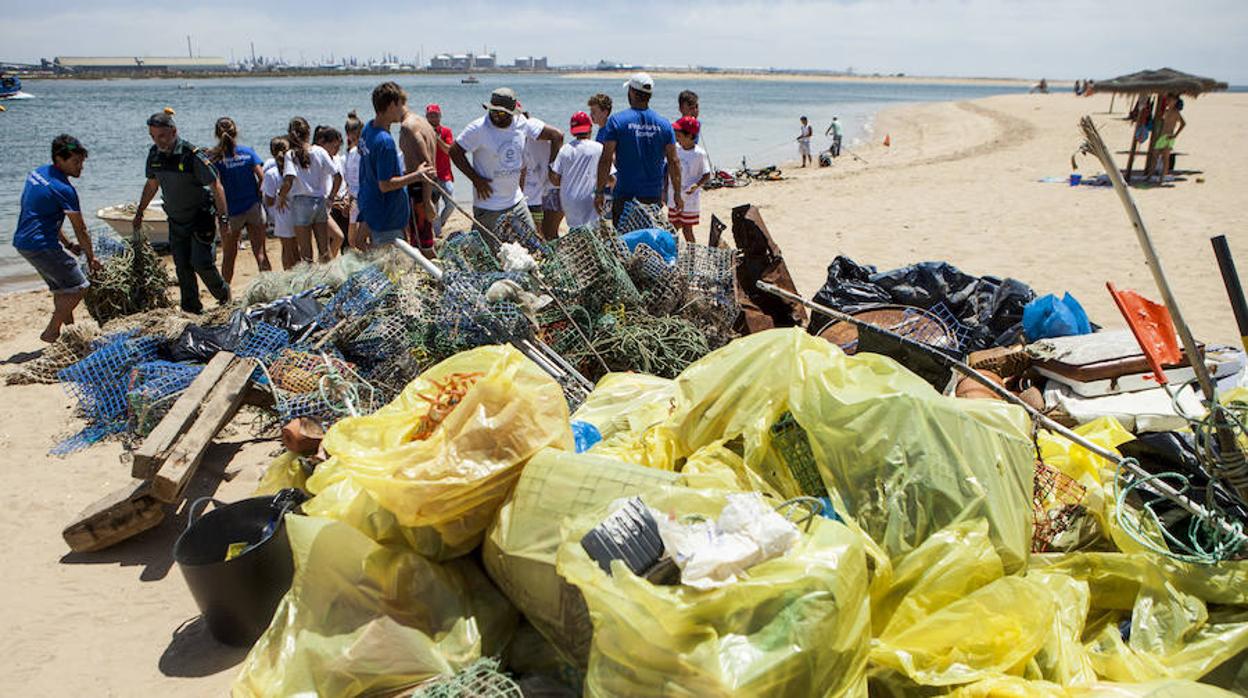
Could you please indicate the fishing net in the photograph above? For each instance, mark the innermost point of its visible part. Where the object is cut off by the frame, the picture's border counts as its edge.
(481, 679)
(361, 292)
(658, 282)
(153, 388)
(164, 323)
(639, 216)
(317, 384)
(584, 271)
(468, 251)
(73, 345)
(89, 436)
(131, 279)
(629, 340)
(100, 381)
(270, 285)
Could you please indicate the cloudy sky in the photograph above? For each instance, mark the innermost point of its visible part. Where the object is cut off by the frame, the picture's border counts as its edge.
(1021, 38)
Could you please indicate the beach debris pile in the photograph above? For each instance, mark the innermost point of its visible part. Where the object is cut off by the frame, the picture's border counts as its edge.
(131, 280)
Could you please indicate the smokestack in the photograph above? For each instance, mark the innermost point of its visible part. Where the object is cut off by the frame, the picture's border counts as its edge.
(188, 47)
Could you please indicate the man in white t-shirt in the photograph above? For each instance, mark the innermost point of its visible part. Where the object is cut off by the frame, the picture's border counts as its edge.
(576, 170)
(497, 143)
(803, 141)
(695, 170)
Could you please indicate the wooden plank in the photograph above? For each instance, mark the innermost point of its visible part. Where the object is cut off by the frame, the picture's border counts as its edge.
(155, 448)
(223, 402)
(118, 516)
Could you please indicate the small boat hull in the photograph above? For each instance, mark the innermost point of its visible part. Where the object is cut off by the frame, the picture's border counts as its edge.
(121, 218)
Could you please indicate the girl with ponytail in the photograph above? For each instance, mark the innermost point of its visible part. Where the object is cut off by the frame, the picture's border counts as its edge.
(310, 180)
(241, 173)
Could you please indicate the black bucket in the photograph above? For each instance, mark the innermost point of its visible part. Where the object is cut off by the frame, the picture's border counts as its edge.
(237, 597)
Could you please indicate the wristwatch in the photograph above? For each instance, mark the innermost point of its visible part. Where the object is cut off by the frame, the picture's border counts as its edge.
(223, 219)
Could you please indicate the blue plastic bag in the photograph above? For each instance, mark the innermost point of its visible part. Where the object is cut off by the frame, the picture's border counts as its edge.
(1050, 316)
(657, 239)
(586, 435)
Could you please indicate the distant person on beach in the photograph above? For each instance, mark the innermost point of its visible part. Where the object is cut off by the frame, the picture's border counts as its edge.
(638, 142)
(835, 130)
(384, 204)
(418, 143)
(1078, 88)
(241, 171)
(283, 227)
(336, 226)
(442, 161)
(310, 181)
(575, 171)
(540, 191)
(351, 176)
(695, 171)
(1172, 124)
(599, 111)
(803, 141)
(1042, 87)
(193, 200)
(47, 200)
(496, 142)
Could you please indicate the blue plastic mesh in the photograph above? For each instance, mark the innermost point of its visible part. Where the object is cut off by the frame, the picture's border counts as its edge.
(362, 291)
(92, 434)
(101, 380)
(639, 216)
(153, 385)
(961, 332)
(466, 318)
(261, 341)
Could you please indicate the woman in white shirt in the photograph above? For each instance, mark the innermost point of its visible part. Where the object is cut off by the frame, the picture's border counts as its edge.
(330, 139)
(351, 173)
(310, 180)
(280, 220)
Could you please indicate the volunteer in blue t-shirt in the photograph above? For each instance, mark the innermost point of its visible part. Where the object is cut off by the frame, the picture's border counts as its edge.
(639, 143)
(383, 203)
(47, 200)
(242, 172)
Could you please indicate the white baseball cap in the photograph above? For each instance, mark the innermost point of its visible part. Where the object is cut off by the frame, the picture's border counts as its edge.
(642, 82)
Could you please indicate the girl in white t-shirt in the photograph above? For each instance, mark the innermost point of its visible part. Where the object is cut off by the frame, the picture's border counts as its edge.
(330, 139)
(351, 173)
(310, 180)
(271, 185)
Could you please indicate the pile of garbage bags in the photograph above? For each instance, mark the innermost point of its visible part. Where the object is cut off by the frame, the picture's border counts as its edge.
(453, 524)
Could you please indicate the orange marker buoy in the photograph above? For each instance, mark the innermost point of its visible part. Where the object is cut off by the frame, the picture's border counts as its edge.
(888, 140)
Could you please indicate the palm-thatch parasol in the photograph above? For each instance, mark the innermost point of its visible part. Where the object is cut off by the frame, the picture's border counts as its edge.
(1153, 89)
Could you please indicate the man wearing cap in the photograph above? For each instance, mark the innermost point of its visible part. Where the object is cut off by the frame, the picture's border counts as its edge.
(47, 200)
(575, 171)
(497, 143)
(418, 143)
(195, 205)
(638, 142)
(446, 177)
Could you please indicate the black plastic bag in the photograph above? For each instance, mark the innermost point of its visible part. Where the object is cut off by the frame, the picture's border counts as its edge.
(294, 314)
(199, 344)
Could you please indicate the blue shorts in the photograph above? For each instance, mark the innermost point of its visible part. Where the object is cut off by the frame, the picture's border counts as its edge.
(307, 210)
(385, 237)
(58, 268)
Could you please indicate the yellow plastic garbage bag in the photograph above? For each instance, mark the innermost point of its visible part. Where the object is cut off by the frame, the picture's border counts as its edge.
(362, 617)
(798, 625)
(284, 471)
(1014, 687)
(519, 552)
(432, 467)
(951, 617)
(901, 459)
(627, 402)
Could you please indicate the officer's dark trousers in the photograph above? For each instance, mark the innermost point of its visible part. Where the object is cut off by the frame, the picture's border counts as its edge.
(191, 242)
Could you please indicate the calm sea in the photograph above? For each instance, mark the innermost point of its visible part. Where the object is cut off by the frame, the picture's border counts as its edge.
(754, 119)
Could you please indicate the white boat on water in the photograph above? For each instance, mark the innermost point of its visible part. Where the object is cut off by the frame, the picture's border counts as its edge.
(120, 217)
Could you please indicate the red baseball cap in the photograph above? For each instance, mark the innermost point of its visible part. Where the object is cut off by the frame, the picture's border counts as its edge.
(581, 124)
(687, 124)
(433, 109)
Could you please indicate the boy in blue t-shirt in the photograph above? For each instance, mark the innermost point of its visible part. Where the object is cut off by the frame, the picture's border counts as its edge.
(639, 142)
(47, 200)
(383, 201)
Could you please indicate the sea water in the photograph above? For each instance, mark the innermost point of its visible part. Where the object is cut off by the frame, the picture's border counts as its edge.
(742, 118)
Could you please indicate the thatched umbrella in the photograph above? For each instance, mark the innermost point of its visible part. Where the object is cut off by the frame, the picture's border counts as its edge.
(1158, 83)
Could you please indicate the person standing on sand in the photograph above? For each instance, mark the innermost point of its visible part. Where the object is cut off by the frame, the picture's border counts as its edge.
(497, 142)
(695, 171)
(47, 200)
(310, 181)
(351, 176)
(574, 172)
(241, 172)
(446, 177)
(638, 142)
(599, 111)
(337, 224)
(384, 204)
(803, 141)
(193, 199)
(283, 227)
(1172, 124)
(835, 130)
(419, 144)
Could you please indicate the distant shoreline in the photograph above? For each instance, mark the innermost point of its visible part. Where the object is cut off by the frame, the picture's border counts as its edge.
(573, 74)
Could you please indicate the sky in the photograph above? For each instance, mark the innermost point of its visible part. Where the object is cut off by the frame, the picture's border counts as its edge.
(971, 38)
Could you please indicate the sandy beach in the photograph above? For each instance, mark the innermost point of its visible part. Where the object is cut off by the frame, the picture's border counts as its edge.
(960, 182)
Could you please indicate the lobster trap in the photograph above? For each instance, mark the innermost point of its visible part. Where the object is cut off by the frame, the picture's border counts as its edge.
(481, 679)
(639, 216)
(1057, 505)
(658, 282)
(584, 271)
(320, 385)
(792, 445)
(468, 251)
(710, 289)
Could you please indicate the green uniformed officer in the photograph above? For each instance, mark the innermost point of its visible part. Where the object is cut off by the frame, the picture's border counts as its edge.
(194, 204)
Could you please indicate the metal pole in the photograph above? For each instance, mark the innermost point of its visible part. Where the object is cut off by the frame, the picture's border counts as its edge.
(1157, 486)
(1230, 279)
